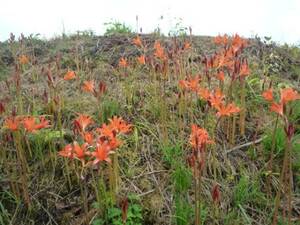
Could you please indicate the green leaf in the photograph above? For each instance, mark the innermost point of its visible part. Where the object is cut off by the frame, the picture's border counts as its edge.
(114, 212)
(98, 222)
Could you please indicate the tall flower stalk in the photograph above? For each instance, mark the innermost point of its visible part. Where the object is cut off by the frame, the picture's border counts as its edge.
(17, 124)
(281, 108)
(199, 139)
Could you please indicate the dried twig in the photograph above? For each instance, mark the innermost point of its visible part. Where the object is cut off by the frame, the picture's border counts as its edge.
(245, 145)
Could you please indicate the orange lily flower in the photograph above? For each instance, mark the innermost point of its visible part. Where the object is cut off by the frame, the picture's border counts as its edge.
(114, 143)
(82, 121)
(216, 98)
(116, 125)
(141, 60)
(190, 84)
(218, 39)
(43, 123)
(102, 153)
(229, 53)
(106, 131)
(80, 151)
(67, 152)
(12, 123)
(183, 84)
(227, 110)
(288, 95)
(119, 125)
(187, 45)
(222, 60)
(31, 126)
(88, 137)
(278, 108)
(89, 86)
(221, 76)
(23, 59)
(199, 137)
(123, 62)
(204, 93)
(137, 41)
(194, 83)
(268, 95)
(244, 71)
(238, 43)
(70, 75)
(221, 40)
(159, 51)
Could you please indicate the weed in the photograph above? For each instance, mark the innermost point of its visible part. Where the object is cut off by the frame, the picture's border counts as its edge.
(116, 27)
(109, 109)
(248, 192)
(115, 215)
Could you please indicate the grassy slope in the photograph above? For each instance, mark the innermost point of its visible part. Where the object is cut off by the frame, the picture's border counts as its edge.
(152, 165)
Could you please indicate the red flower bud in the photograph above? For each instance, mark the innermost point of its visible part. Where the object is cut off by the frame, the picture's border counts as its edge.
(2, 108)
(124, 208)
(289, 131)
(215, 193)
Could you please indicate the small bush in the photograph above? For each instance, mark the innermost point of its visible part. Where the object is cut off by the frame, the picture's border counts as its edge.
(116, 27)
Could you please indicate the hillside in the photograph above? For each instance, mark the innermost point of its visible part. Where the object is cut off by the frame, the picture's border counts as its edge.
(149, 130)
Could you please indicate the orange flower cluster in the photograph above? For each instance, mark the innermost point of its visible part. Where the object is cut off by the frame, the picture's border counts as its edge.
(286, 95)
(227, 110)
(75, 151)
(199, 138)
(224, 59)
(159, 53)
(191, 84)
(98, 145)
(237, 42)
(215, 98)
(29, 123)
(228, 58)
(221, 40)
(138, 42)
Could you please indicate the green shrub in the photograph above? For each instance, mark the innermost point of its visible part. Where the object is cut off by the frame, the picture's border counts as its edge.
(116, 27)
